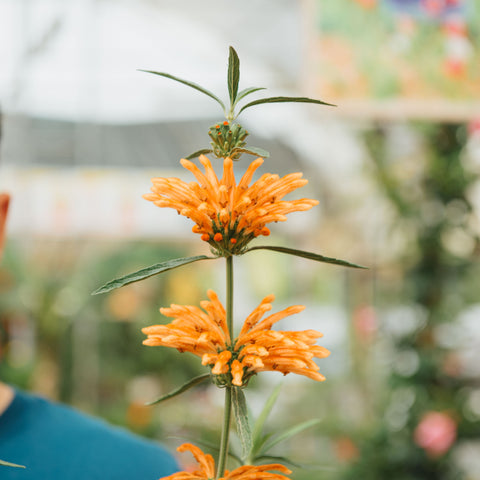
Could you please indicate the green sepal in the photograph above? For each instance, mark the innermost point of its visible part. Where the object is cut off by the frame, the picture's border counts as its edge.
(233, 75)
(196, 154)
(241, 417)
(290, 433)
(256, 151)
(262, 418)
(186, 386)
(149, 272)
(308, 255)
(9, 464)
(247, 91)
(188, 83)
(283, 100)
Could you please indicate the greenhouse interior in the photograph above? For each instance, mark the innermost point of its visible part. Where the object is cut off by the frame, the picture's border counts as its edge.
(376, 103)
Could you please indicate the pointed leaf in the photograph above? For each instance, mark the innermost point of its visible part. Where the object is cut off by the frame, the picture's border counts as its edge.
(9, 464)
(196, 154)
(258, 448)
(276, 459)
(186, 386)
(282, 459)
(233, 74)
(259, 152)
(309, 255)
(247, 91)
(283, 100)
(241, 416)
(188, 83)
(260, 422)
(290, 433)
(149, 272)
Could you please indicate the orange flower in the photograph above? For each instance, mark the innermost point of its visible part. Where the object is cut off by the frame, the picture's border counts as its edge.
(257, 348)
(193, 330)
(4, 202)
(226, 215)
(206, 469)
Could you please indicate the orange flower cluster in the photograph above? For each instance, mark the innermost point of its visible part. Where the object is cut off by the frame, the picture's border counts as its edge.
(206, 470)
(228, 216)
(256, 349)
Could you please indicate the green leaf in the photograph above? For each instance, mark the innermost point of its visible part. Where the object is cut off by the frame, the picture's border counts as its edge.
(259, 152)
(258, 448)
(196, 154)
(186, 386)
(277, 459)
(283, 100)
(149, 272)
(247, 91)
(260, 422)
(241, 416)
(290, 433)
(233, 75)
(188, 83)
(282, 459)
(309, 255)
(8, 464)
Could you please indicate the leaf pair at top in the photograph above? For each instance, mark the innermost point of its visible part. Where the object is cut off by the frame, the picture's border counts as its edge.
(233, 78)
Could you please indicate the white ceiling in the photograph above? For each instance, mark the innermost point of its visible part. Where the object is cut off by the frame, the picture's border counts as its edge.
(78, 59)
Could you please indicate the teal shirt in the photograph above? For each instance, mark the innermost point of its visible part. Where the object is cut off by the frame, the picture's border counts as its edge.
(56, 442)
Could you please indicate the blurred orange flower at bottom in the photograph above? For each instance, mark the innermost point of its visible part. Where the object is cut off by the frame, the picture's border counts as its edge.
(206, 469)
(4, 202)
(345, 449)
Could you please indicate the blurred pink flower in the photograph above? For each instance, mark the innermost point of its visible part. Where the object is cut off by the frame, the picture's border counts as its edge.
(365, 322)
(436, 433)
(454, 68)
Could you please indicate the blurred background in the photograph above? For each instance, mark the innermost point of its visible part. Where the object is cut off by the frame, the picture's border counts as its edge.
(396, 167)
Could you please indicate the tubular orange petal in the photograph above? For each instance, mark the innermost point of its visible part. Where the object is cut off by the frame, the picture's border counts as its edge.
(237, 373)
(269, 321)
(257, 314)
(248, 175)
(221, 365)
(258, 472)
(205, 461)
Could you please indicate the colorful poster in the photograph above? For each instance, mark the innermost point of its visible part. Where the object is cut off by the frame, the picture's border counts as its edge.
(421, 56)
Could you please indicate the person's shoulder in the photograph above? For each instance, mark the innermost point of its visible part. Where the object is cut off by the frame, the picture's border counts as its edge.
(99, 447)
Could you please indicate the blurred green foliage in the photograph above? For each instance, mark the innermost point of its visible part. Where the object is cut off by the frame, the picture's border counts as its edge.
(388, 369)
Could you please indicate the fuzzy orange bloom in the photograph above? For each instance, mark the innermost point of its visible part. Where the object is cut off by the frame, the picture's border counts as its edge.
(193, 330)
(206, 470)
(4, 202)
(257, 348)
(224, 210)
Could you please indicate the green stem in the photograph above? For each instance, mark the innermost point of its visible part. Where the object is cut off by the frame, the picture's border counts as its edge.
(227, 414)
(230, 295)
